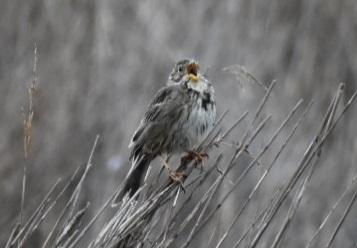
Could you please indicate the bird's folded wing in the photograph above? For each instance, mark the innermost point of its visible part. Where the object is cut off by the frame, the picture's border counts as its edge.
(162, 112)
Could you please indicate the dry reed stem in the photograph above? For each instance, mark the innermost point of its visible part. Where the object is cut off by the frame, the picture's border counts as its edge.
(137, 222)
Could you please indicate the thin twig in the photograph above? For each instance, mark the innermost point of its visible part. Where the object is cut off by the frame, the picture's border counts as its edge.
(341, 221)
(332, 210)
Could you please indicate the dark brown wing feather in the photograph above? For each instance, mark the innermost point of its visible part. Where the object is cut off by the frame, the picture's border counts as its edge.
(160, 112)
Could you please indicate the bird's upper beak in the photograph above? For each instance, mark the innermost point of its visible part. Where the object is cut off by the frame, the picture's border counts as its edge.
(192, 70)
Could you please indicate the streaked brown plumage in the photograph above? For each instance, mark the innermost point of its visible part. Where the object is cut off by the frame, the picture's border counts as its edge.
(175, 121)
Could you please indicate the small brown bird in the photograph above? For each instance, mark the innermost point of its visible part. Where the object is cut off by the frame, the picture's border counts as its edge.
(176, 120)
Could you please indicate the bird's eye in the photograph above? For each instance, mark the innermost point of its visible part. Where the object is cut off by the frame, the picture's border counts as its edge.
(180, 69)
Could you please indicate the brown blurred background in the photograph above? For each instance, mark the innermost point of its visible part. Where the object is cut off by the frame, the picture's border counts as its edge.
(100, 62)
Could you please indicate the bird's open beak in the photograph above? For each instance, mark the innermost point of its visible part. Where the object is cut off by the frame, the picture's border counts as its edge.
(192, 70)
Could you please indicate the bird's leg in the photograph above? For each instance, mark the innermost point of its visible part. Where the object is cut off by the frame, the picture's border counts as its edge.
(165, 157)
(175, 176)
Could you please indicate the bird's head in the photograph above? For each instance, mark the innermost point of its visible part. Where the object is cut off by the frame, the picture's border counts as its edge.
(185, 69)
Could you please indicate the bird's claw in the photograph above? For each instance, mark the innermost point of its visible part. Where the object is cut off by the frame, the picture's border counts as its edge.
(198, 157)
(178, 177)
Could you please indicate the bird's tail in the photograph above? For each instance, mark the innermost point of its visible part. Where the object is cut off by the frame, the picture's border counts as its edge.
(133, 181)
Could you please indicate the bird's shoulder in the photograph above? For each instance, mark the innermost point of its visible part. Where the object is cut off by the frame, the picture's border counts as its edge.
(163, 101)
(166, 94)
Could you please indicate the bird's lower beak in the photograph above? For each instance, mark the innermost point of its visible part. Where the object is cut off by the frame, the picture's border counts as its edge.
(192, 70)
(193, 77)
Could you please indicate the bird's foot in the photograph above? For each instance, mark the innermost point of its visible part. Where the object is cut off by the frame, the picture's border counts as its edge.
(175, 176)
(192, 155)
(178, 177)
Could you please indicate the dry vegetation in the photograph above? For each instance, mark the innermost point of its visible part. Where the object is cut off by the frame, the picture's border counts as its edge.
(75, 79)
(166, 214)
